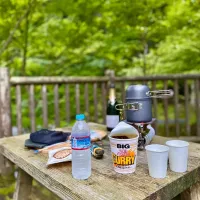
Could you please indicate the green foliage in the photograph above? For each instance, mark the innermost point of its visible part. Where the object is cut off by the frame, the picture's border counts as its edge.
(179, 51)
(7, 185)
(133, 37)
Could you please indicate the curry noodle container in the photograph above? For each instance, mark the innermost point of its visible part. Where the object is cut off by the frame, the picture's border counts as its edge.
(124, 151)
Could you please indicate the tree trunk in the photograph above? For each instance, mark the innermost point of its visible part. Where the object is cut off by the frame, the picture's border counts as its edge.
(10, 37)
(25, 44)
(144, 58)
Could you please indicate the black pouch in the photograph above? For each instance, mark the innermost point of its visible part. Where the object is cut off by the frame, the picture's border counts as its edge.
(49, 137)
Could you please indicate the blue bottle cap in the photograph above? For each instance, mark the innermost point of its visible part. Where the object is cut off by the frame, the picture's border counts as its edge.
(80, 117)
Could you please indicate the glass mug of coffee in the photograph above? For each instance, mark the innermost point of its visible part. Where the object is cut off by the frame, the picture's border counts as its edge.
(124, 152)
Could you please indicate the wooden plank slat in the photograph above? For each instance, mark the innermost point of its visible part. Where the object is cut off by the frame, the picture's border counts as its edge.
(86, 101)
(197, 89)
(77, 88)
(32, 107)
(144, 82)
(67, 100)
(19, 109)
(44, 106)
(166, 111)
(95, 102)
(187, 113)
(56, 105)
(155, 106)
(157, 77)
(123, 91)
(57, 80)
(104, 101)
(176, 94)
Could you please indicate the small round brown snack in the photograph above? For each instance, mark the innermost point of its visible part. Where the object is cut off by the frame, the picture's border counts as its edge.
(62, 154)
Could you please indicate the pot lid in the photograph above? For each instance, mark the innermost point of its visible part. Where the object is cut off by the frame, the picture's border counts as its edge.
(137, 91)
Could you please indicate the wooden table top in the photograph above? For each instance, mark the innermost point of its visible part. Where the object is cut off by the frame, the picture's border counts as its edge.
(104, 182)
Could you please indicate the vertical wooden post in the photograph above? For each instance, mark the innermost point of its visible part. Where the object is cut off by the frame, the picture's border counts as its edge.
(45, 106)
(197, 88)
(86, 96)
(5, 111)
(192, 193)
(187, 109)
(77, 90)
(23, 186)
(166, 112)
(95, 102)
(19, 109)
(104, 101)
(111, 75)
(155, 106)
(176, 101)
(56, 105)
(32, 107)
(123, 93)
(67, 100)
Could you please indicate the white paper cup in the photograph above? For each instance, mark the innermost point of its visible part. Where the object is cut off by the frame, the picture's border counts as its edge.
(157, 156)
(124, 154)
(178, 155)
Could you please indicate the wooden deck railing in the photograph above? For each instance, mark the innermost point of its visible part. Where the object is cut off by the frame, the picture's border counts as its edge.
(99, 84)
(179, 116)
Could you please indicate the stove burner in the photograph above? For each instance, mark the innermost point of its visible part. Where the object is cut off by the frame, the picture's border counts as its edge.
(144, 131)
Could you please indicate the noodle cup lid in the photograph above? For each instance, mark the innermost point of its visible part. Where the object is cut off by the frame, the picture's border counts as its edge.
(123, 128)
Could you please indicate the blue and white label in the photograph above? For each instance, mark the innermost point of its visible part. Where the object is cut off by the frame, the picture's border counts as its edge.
(81, 143)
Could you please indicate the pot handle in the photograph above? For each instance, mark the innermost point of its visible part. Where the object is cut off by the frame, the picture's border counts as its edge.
(120, 107)
(129, 106)
(160, 93)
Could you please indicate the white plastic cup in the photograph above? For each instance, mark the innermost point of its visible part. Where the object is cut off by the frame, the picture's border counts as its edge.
(178, 155)
(124, 154)
(157, 156)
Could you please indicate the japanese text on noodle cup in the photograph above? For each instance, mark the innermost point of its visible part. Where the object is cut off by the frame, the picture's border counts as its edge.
(124, 154)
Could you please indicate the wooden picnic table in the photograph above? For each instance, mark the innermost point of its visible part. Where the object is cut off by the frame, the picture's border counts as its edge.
(104, 182)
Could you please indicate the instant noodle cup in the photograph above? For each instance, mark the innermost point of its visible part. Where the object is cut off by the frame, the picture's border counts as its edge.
(123, 143)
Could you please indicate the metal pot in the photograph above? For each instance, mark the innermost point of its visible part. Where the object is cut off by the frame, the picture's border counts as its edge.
(138, 105)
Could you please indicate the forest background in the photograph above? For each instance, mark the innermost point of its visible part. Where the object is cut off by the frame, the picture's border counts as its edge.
(133, 37)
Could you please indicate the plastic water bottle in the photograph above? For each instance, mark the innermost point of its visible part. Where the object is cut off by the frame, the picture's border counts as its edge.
(81, 155)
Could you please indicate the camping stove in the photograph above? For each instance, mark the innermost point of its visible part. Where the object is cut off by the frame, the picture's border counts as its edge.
(138, 110)
(146, 132)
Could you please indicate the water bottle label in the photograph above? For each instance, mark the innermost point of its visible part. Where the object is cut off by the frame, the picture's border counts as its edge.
(81, 143)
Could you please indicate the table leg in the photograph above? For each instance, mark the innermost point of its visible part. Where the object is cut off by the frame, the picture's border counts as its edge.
(192, 193)
(23, 186)
(6, 166)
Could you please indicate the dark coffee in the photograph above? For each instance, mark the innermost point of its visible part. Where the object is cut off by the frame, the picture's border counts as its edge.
(125, 136)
